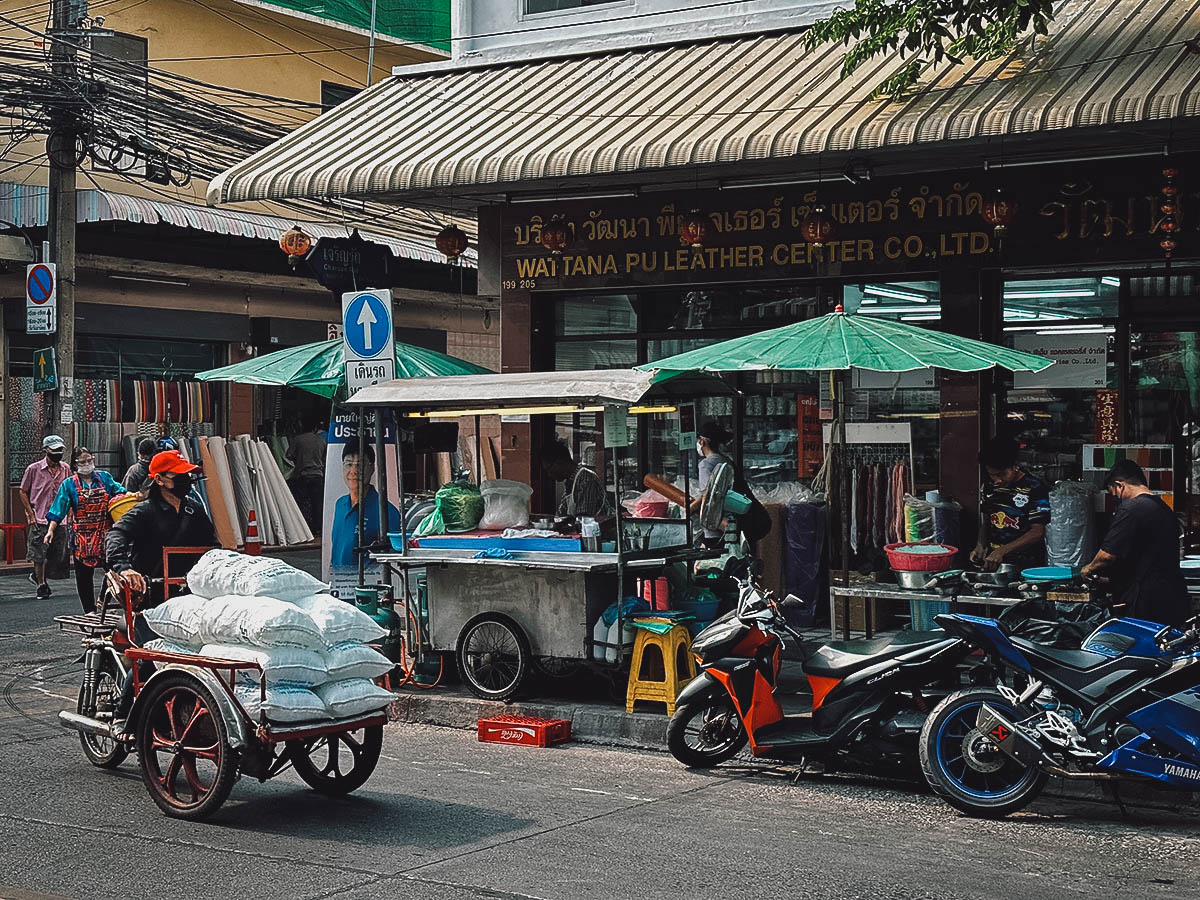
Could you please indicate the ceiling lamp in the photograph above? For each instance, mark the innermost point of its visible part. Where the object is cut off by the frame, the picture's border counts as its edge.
(1169, 205)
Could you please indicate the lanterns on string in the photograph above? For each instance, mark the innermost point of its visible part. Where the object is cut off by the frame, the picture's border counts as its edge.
(295, 243)
(693, 228)
(556, 235)
(818, 227)
(451, 241)
(999, 210)
(1169, 206)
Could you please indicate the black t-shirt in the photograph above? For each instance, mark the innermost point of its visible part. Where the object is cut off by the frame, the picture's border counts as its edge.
(1010, 510)
(1144, 537)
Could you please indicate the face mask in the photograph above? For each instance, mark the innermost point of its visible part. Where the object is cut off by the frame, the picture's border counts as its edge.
(181, 485)
(55, 455)
(699, 448)
(86, 469)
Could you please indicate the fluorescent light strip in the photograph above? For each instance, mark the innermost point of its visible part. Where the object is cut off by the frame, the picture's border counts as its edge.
(889, 310)
(1024, 315)
(1111, 281)
(923, 317)
(532, 411)
(893, 294)
(1063, 329)
(1043, 295)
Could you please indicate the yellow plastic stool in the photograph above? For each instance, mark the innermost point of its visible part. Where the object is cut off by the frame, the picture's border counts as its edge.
(650, 677)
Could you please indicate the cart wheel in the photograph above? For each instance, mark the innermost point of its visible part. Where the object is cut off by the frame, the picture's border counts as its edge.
(493, 656)
(183, 747)
(103, 752)
(557, 666)
(336, 764)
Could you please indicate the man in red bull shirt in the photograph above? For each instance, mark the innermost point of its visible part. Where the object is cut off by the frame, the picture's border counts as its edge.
(1014, 508)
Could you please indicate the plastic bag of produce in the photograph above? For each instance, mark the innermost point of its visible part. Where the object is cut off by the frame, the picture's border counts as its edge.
(918, 519)
(178, 619)
(340, 621)
(224, 573)
(353, 697)
(280, 664)
(260, 621)
(458, 506)
(284, 703)
(505, 504)
(354, 660)
(1071, 532)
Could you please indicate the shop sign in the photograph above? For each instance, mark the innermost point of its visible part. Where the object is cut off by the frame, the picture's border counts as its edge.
(1100, 213)
(1080, 360)
(616, 426)
(808, 428)
(1108, 416)
(350, 263)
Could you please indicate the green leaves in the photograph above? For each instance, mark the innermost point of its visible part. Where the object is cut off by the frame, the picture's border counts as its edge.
(928, 31)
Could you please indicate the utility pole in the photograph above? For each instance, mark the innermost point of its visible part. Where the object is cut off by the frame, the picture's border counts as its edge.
(61, 213)
(371, 47)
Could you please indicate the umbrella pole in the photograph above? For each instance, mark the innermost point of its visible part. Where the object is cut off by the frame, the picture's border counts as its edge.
(843, 476)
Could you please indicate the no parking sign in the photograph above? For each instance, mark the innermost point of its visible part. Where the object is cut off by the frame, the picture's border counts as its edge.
(41, 298)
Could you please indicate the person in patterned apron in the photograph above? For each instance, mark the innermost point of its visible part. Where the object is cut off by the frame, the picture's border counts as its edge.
(84, 496)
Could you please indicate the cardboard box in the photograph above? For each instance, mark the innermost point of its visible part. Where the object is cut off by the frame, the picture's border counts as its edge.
(883, 613)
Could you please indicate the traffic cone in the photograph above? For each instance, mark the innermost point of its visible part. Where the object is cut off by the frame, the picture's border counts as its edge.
(253, 545)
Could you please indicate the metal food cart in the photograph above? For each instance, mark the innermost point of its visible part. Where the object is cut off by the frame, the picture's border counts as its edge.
(500, 614)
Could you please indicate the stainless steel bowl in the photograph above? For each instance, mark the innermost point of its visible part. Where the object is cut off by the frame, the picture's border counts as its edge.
(912, 581)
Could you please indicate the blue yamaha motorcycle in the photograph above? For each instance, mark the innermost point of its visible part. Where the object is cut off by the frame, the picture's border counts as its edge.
(1124, 707)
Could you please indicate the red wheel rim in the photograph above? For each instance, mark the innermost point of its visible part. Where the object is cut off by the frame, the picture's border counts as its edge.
(184, 756)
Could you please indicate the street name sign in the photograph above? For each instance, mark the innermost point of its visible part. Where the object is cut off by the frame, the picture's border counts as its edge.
(41, 298)
(368, 337)
(45, 370)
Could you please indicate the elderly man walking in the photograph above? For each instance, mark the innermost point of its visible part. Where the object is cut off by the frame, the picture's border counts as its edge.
(39, 486)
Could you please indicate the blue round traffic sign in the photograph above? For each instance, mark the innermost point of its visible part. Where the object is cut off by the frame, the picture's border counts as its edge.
(368, 325)
(40, 284)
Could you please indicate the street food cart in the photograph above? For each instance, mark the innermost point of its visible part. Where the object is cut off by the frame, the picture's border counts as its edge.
(538, 597)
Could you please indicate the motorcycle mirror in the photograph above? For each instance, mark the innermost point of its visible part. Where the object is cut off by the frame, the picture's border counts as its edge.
(791, 601)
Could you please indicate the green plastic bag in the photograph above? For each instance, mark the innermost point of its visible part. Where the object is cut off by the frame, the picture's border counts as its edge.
(458, 506)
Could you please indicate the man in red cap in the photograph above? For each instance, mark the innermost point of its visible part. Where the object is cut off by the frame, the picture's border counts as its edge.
(168, 517)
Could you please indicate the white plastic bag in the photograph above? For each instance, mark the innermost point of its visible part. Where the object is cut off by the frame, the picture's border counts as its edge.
(505, 504)
(223, 573)
(353, 697)
(178, 619)
(284, 703)
(354, 660)
(1071, 532)
(292, 665)
(339, 620)
(260, 621)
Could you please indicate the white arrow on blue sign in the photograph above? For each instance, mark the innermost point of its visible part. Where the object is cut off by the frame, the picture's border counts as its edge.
(368, 338)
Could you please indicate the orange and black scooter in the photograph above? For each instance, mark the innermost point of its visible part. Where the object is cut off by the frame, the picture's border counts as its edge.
(869, 697)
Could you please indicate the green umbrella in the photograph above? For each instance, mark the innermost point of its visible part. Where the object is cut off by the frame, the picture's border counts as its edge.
(321, 368)
(840, 341)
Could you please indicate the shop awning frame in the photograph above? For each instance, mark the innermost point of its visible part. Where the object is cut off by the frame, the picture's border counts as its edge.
(455, 130)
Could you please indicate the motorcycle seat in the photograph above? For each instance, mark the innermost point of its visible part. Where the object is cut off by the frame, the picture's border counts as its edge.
(839, 659)
(1072, 659)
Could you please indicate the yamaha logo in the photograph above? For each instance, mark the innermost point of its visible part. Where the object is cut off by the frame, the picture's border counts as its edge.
(1178, 771)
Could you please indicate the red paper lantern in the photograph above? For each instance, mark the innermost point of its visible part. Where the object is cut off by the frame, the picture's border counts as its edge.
(999, 210)
(295, 242)
(1169, 205)
(818, 226)
(693, 228)
(556, 236)
(451, 241)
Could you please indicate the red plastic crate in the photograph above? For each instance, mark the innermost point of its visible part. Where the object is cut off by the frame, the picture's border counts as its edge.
(528, 730)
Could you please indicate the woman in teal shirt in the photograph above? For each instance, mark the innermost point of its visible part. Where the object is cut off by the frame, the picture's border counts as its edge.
(85, 496)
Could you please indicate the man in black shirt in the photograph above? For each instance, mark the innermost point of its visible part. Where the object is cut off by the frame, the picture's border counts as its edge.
(1141, 551)
(1014, 508)
(167, 518)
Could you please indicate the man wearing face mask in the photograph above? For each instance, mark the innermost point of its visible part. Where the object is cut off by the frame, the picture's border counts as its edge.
(39, 486)
(1141, 550)
(167, 518)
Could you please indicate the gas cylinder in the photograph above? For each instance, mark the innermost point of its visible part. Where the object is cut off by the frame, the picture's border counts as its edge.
(388, 618)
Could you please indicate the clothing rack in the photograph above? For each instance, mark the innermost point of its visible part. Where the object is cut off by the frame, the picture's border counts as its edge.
(877, 443)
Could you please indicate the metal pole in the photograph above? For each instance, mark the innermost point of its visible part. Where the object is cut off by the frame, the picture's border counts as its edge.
(478, 454)
(687, 494)
(61, 216)
(362, 491)
(843, 479)
(620, 568)
(381, 469)
(371, 46)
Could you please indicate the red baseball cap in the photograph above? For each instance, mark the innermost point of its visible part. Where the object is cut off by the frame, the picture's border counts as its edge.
(171, 462)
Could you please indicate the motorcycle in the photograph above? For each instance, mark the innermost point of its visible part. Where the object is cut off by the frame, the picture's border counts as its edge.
(870, 697)
(1126, 706)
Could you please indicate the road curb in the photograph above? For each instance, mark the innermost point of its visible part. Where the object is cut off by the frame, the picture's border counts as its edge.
(610, 726)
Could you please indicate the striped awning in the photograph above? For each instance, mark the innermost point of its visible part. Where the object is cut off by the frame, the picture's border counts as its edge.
(500, 127)
(28, 205)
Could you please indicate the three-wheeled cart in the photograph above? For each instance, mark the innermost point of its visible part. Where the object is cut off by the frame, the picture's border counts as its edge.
(538, 603)
(192, 735)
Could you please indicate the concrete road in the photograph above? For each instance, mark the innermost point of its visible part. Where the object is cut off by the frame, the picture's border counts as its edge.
(446, 817)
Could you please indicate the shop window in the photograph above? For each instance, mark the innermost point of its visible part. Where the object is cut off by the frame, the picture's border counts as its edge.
(916, 302)
(576, 355)
(532, 7)
(595, 314)
(744, 308)
(1061, 299)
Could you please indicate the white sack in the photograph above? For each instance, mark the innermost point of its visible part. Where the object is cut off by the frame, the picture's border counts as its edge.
(285, 703)
(303, 668)
(224, 573)
(260, 621)
(353, 697)
(339, 620)
(354, 660)
(177, 619)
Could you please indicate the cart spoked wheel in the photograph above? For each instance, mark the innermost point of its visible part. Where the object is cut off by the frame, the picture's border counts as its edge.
(183, 747)
(557, 666)
(103, 752)
(336, 764)
(493, 656)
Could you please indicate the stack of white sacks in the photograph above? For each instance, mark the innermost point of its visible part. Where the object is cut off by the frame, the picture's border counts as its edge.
(310, 645)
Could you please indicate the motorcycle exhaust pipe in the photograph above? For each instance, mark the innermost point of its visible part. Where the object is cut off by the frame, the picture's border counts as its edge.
(83, 723)
(1009, 739)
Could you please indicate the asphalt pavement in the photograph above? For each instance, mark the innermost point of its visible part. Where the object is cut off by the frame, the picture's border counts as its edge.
(447, 817)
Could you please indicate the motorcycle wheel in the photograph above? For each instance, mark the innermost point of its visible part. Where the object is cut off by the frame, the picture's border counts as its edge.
(102, 752)
(965, 768)
(705, 734)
